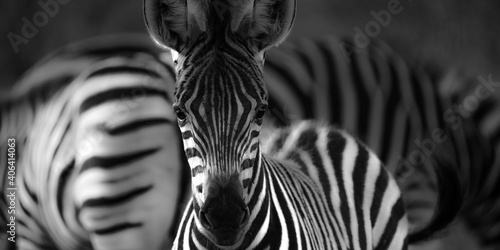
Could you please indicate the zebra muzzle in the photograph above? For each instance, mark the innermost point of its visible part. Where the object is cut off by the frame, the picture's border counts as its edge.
(224, 213)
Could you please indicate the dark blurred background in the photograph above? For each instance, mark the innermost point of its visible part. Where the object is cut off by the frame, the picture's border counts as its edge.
(462, 33)
(445, 33)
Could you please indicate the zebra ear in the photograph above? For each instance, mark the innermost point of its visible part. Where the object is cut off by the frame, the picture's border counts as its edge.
(264, 22)
(174, 23)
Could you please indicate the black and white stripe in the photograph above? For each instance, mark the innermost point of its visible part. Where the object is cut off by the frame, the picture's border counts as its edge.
(396, 110)
(315, 187)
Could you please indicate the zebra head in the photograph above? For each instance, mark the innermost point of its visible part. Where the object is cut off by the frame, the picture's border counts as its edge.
(220, 97)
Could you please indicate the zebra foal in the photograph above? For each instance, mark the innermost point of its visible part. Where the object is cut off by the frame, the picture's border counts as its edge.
(309, 187)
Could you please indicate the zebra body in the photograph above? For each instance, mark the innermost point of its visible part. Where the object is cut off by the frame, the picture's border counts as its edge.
(315, 187)
(100, 153)
(412, 116)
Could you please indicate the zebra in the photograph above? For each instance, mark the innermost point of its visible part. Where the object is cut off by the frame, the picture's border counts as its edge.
(243, 196)
(98, 152)
(412, 116)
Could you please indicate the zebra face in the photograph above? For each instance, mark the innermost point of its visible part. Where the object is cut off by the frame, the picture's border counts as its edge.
(220, 102)
(220, 97)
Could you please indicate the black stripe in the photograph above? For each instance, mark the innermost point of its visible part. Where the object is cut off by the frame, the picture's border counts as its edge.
(246, 182)
(307, 141)
(306, 61)
(420, 99)
(112, 50)
(192, 152)
(199, 188)
(495, 137)
(373, 54)
(117, 228)
(390, 111)
(33, 195)
(485, 108)
(359, 179)
(295, 157)
(66, 130)
(197, 170)
(123, 69)
(363, 98)
(397, 213)
(247, 163)
(334, 91)
(115, 161)
(294, 86)
(136, 125)
(336, 149)
(186, 135)
(278, 143)
(255, 146)
(380, 187)
(122, 93)
(63, 180)
(116, 200)
(406, 139)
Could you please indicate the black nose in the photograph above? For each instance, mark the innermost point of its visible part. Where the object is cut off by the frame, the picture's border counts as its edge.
(224, 208)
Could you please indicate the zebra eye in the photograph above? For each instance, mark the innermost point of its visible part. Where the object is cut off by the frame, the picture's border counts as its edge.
(261, 112)
(180, 114)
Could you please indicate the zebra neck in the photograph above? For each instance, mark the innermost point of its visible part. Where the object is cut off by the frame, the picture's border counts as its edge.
(264, 230)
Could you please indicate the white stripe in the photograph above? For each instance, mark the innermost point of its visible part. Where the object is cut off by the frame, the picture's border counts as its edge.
(373, 170)
(351, 151)
(390, 198)
(283, 223)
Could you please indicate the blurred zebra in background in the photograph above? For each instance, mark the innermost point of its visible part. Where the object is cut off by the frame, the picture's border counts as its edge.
(414, 118)
(99, 158)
